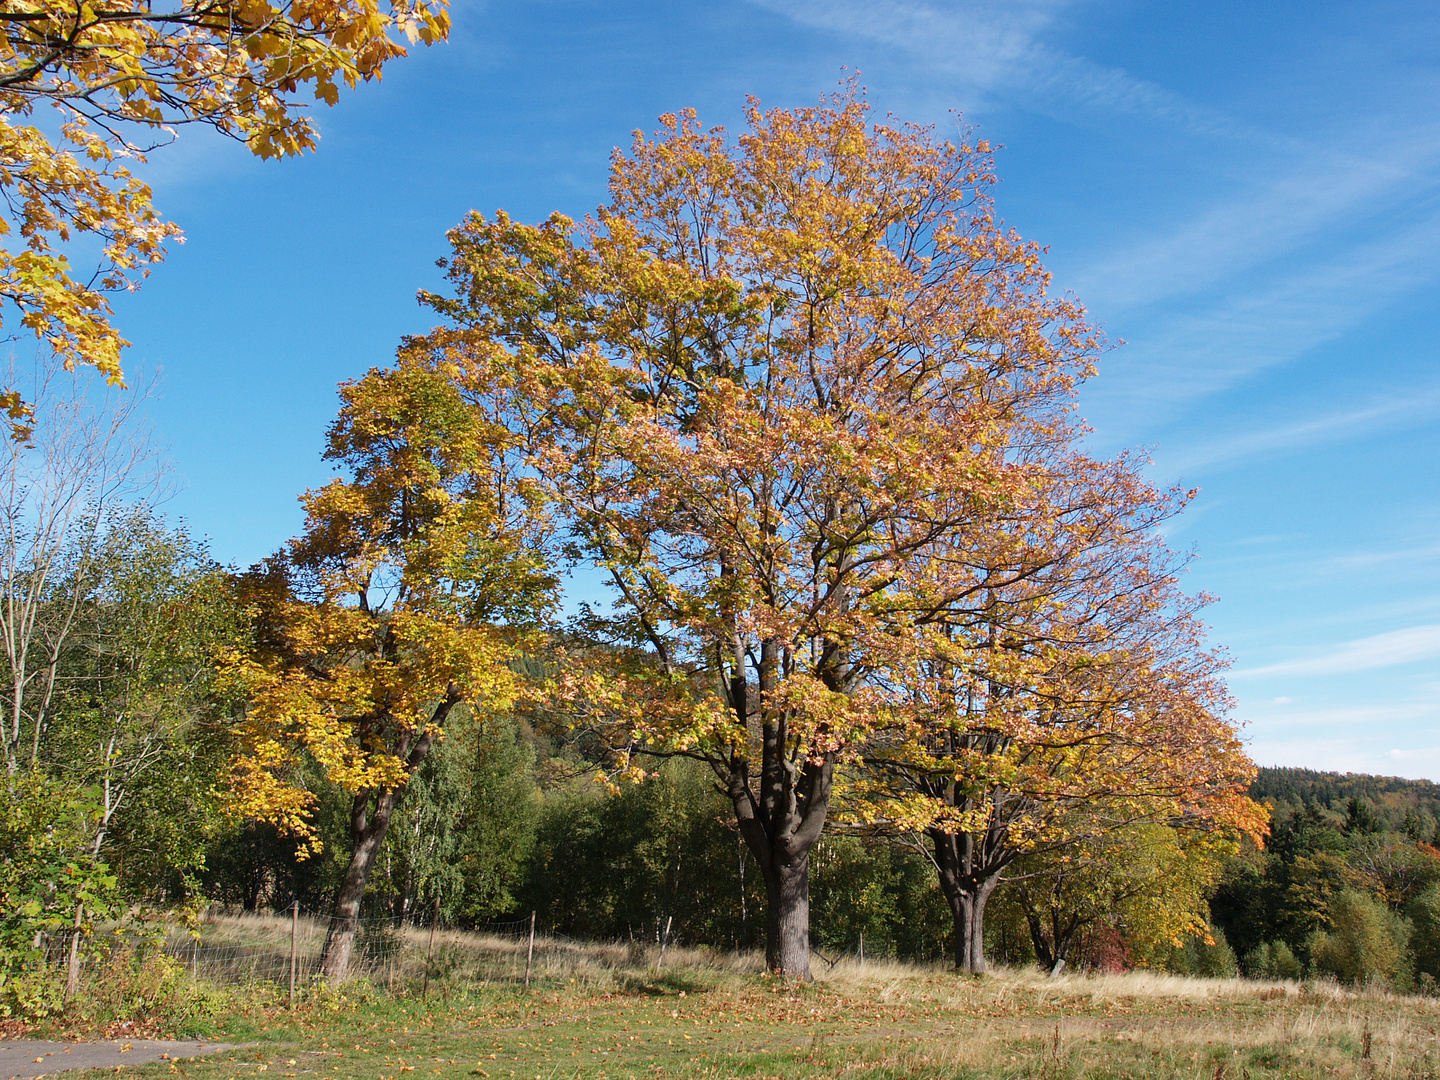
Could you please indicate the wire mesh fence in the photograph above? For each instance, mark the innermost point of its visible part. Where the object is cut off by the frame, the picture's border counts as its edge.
(231, 948)
(287, 949)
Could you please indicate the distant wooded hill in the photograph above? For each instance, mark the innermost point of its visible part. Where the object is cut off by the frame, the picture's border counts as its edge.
(1411, 806)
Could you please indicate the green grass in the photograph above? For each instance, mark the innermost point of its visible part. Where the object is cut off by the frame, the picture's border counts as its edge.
(883, 1022)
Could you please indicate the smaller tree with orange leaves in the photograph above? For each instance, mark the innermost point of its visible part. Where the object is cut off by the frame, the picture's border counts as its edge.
(1068, 697)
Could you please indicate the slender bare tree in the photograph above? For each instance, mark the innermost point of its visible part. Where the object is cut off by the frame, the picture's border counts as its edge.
(89, 455)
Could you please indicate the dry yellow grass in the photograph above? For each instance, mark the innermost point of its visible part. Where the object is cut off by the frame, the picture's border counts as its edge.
(600, 1010)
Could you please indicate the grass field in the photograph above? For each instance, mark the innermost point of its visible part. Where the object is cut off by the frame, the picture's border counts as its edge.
(712, 1017)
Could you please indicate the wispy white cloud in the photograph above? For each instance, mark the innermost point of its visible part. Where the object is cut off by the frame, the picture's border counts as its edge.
(1410, 557)
(1283, 715)
(1292, 572)
(1389, 649)
(1266, 320)
(992, 49)
(1258, 222)
(1415, 406)
(1258, 294)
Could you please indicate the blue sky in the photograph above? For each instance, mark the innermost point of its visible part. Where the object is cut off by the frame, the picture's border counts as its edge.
(1247, 194)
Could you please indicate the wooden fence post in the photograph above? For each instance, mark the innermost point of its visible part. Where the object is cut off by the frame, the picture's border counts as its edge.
(664, 938)
(294, 939)
(862, 948)
(530, 953)
(72, 966)
(430, 952)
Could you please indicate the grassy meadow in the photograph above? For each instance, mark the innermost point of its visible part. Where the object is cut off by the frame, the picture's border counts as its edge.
(603, 1012)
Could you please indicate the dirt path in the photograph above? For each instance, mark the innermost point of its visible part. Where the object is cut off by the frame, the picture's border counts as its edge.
(23, 1059)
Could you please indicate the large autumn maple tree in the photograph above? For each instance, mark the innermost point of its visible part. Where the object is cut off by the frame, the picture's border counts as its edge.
(87, 85)
(769, 376)
(417, 579)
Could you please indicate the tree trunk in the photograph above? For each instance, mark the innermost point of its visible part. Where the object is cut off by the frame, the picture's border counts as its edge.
(784, 861)
(367, 833)
(783, 815)
(1052, 949)
(787, 927)
(967, 890)
(967, 908)
(72, 966)
(1044, 956)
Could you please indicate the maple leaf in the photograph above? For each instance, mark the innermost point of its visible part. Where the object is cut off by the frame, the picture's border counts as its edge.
(122, 76)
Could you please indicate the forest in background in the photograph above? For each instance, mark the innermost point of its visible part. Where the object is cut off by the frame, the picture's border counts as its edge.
(501, 820)
(1348, 885)
(506, 817)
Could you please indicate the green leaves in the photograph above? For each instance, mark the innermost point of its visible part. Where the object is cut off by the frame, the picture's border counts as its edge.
(47, 865)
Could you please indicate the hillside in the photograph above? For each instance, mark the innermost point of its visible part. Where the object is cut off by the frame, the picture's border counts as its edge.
(1402, 805)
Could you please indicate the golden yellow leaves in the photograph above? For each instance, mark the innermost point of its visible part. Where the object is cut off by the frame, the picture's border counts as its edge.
(353, 701)
(416, 584)
(121, 74)
(766, 379)
(54, 195)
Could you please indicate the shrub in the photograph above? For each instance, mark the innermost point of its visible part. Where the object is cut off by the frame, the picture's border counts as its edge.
(1212, 959)
(1256, 963)
(1215, 959)
(31, 995)
(1271, 960)
(47, 868)
(1366, 942)
(1424, 912)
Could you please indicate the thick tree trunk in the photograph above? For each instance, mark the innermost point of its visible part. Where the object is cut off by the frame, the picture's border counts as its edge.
(781, 812)
(367, 833)
(967, 908)
(787, 928)
(784, 862)
(967, 890)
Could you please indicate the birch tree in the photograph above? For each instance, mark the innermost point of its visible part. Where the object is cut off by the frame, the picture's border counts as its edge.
(58, 493)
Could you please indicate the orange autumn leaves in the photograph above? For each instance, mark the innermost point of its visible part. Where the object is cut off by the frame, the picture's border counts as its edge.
(803, 401)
